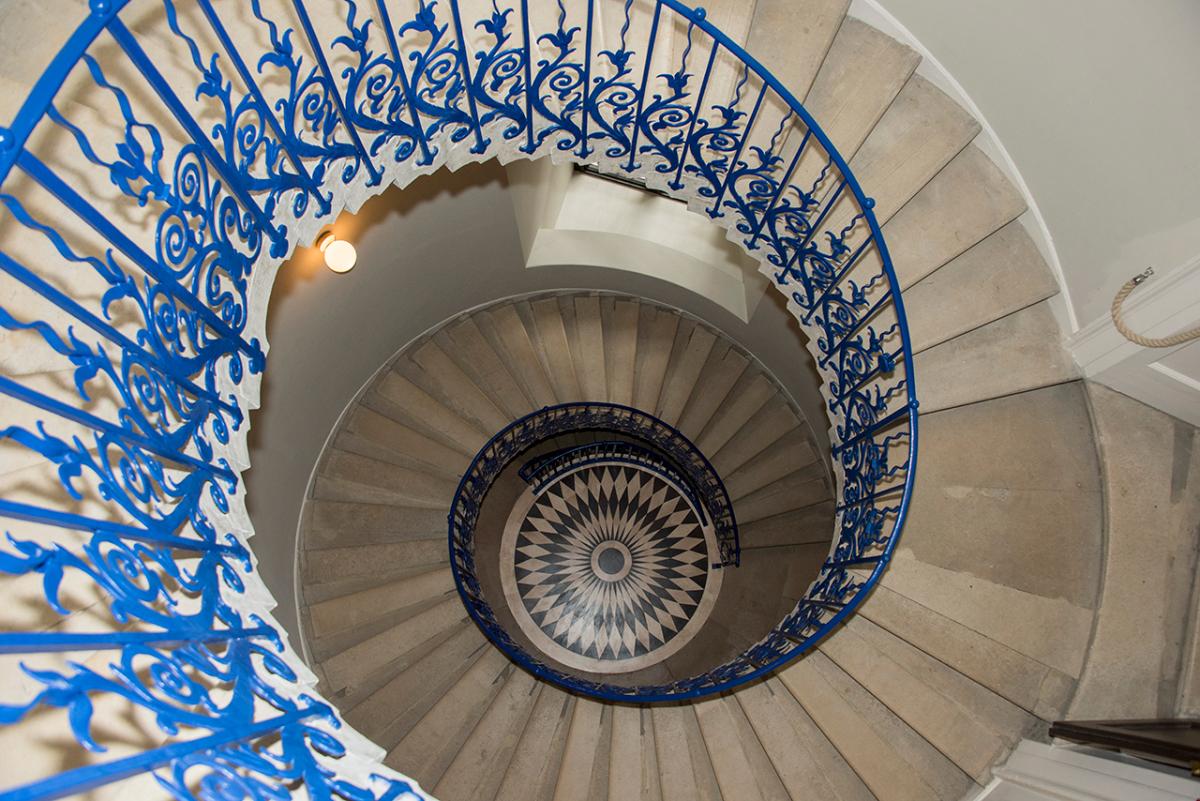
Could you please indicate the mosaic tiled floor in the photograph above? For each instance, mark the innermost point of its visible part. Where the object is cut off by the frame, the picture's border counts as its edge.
(607, 569)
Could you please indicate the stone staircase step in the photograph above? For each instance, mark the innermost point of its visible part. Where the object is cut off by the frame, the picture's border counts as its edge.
(1151, 470)
(719, 376)
(476, 356)
(332, 643)
(519, 353)
(602, 759)
(350, 611)
(396, 397)
(551, 340)
(861, 74)
(439, 375)
(967, 201)
(334, 564)
(315, 593)
(743, 769)
(1028, 684)
(693, 346)
(960, 736)
(1001, 275)
(587, 349)
(344, 671)
(534, 768)
(868, 751)
(775, 421)
(807, 763)
(580, 752)
(748, 396)
(792, 39)
(389, 710)
(1012, 522)
(620, 348)
(1014, 354)
(685, 771)
(396, 442)
(794, 491)
(811, 524)
(333, 524)
(656, 338)
(478, 768)
(633, 761)
(789, 453)
(920, 133)
(427, 750)
(349, 477)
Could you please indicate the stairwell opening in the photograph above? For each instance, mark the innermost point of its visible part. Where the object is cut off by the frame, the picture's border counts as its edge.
(679, 603)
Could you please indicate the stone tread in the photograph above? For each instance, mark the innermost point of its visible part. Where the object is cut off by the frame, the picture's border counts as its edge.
(535, 765)
(721, 372)
(471, 349)
(427, 751)
(478, 767)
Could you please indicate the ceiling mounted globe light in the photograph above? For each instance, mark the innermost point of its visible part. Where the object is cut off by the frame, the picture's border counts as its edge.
(340, 255)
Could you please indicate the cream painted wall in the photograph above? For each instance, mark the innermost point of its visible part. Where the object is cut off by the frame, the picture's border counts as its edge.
(1097, 103)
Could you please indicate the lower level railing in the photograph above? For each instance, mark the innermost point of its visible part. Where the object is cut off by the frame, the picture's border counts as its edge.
(542, 471)
(163, 164)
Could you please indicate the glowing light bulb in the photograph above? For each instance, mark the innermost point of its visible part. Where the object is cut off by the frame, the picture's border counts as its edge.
(340, 255)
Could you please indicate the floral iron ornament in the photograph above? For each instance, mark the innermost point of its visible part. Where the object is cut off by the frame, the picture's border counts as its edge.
(147, 202)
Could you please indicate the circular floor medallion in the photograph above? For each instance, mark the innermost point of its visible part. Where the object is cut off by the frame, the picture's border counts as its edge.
(607, 569)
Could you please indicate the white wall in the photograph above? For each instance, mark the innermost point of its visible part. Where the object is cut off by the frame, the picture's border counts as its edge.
(1097, 103)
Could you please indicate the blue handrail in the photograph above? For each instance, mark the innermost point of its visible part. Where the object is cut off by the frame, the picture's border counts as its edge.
(149, 504)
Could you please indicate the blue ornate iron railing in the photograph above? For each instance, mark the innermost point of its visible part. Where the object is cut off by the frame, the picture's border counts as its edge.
(542, 471)
(161, 167)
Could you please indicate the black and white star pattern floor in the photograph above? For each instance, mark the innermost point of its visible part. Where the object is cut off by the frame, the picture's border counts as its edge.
(607, 569)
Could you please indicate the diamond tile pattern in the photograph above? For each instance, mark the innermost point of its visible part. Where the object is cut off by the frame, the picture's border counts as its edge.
(611, 563)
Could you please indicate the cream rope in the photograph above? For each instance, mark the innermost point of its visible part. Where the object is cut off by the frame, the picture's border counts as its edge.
(1146, 342)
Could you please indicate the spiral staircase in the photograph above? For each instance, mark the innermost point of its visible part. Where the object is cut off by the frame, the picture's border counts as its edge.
(164, 162)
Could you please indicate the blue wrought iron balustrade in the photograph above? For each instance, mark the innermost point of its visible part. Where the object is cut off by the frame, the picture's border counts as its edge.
(162, 166)
(542, 471)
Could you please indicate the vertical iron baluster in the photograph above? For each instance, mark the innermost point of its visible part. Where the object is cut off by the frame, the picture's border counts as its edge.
(386, 22)
(468, 85)
(528, 77)
(101, 225)
(637, 117)
(264, 108)
(323, 64)
(584, 150)
(159, 84)
(712, 57)
(715, 211)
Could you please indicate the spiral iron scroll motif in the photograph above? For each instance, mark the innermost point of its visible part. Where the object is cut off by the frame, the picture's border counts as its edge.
(144, 212)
